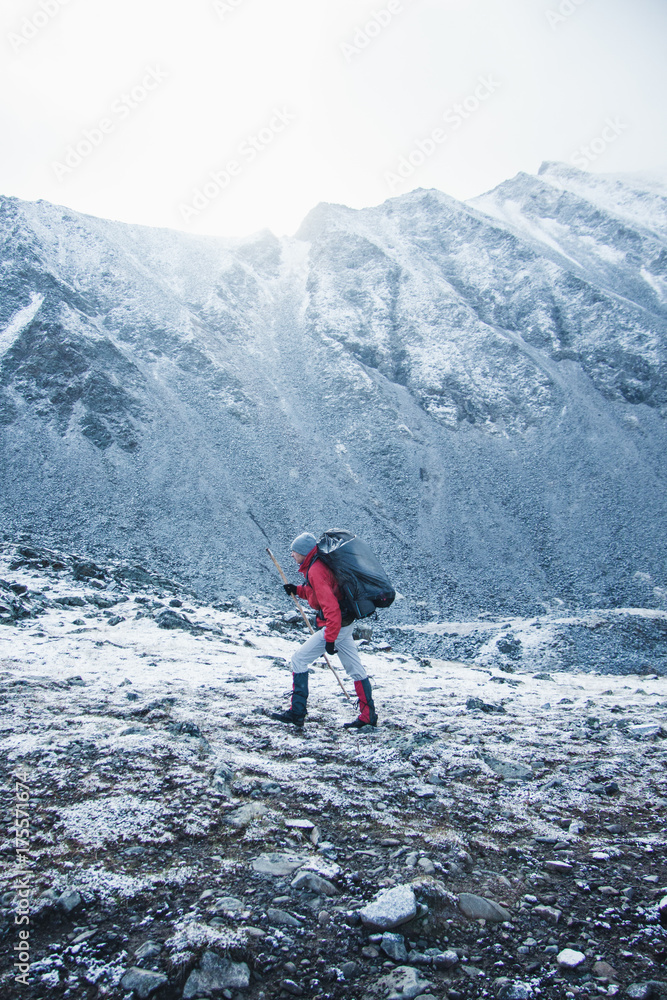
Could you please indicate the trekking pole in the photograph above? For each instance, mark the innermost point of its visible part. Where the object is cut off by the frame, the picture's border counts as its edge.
(310, 627)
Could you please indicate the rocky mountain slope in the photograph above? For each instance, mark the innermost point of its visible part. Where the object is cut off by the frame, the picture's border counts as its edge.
(498, 835)
(479, 389)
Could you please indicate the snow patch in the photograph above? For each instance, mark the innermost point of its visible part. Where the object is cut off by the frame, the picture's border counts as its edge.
(19, 321)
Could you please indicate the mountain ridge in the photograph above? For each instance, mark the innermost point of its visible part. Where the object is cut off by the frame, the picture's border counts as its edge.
(433, 373)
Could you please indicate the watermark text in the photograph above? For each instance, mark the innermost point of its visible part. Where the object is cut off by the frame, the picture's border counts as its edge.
(121, 109)
(248, 151)
(374, 26)
(454, 117)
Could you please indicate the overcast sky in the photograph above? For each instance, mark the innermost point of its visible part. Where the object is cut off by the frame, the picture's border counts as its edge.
(228, 116)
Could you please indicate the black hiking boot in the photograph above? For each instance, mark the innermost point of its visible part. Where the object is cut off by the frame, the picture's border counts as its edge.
(289, 716)
(359, 724)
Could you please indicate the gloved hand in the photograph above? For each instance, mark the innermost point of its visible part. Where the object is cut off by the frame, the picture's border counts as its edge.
(330, 648)
(290, 588)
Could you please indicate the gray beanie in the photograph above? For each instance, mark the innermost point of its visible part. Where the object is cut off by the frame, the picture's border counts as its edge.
(303, 543)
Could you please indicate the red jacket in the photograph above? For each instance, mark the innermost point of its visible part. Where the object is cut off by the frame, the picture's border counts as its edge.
(322, 593)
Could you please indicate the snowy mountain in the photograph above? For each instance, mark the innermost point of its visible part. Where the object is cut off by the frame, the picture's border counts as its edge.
(479, 389)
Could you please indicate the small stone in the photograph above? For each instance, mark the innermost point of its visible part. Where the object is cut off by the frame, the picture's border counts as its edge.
(562, 867)
(149, 949)
(349, 969)
(603, 970)
(390, 908)
(315, 883)
(419, 958)
(370, 951)
(142, 982)
(323, 918)
(446, 959)
(393, 945)
(548, 913)
(291, 987)
(472, 971)
(662, 910)
(568, 958)
(281, 918)
(427, 865)
(299, 824)
(479, 908)
(69, 900)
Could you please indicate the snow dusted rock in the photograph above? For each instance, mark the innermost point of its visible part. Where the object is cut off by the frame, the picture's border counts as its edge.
(143, 983)
(662, 911)
(650, 990)
(229, 906)
(562, 867)
(315, 883)
(404, 983)
(214, 974)
(568, 958)
(479, 908)
(507, 769)
(516, 991)
(478, 705)
(278, 864)
(245, 815)
(390, 908)
(299, 824)
(222, 780)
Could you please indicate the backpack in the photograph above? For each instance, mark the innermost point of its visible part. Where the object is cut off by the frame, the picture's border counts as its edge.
(362, 581)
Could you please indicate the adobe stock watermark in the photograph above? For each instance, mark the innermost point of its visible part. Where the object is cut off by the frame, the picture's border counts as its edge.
(21, 884)
(364, 33)
(225, 7)
(585, 155)
(565, 9)
(454, 117)
(219, 180)
(32, 24)
(122, 108)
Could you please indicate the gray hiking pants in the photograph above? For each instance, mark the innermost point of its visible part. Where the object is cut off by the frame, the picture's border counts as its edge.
(313, 648)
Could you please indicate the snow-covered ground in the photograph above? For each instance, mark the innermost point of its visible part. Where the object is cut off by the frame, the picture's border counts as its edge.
(136, 717)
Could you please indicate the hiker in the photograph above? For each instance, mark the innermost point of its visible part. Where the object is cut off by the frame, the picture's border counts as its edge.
(333, 635)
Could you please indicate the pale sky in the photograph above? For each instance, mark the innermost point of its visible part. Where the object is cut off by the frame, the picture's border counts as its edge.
(227, 116)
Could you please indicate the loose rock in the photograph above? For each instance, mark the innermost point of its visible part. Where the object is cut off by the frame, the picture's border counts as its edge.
(214, 974)
(480, 908)
(390, 908)
(142, 982)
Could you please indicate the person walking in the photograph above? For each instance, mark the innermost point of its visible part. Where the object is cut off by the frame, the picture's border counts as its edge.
(333, 635)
